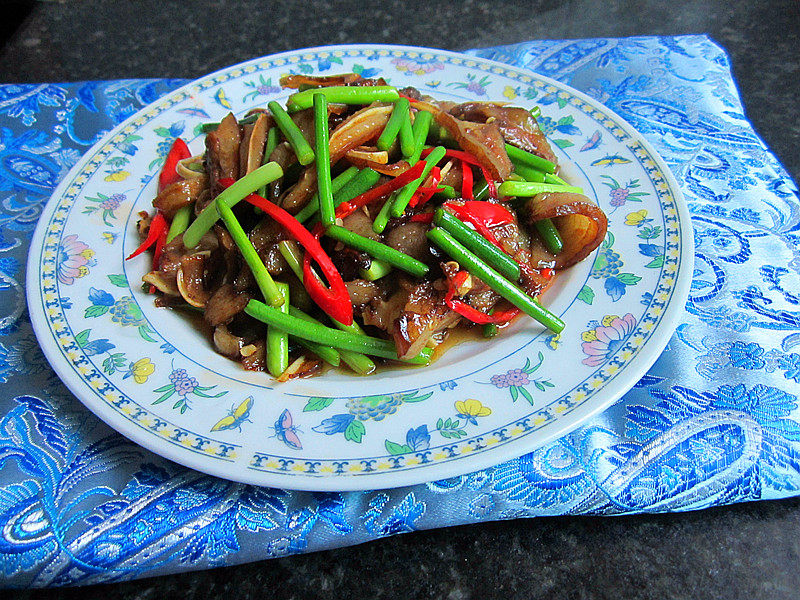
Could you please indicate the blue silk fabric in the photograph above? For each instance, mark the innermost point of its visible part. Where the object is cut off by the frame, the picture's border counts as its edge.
(715, 420)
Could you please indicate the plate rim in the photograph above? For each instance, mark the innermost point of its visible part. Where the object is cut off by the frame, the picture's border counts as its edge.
(635, 369)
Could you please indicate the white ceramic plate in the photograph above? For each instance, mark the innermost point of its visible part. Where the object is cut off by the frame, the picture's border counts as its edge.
(155, 379)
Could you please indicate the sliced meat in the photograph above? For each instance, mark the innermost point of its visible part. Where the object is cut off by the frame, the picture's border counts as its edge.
(179, 194)
(190, 279)
(409, 238)
(362, 292)
(224, 304)
(424, 314)
(254, 355)
(360, 223)
(516, 124)
(483, 140)
(222, 151)
(254, 139)
(295, 81)
(581, 223)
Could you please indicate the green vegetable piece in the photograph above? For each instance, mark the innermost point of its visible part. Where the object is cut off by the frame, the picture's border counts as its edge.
(384, 214)
(179, 222)
(405, 193)
(230, 196)
(377, 269)
(529, 173)
(324, 191)
(529, 188)
(552, 178)
(336, 184)
(344, 94)
(494, 280)
(420, 129)
(408, 145)
(326, 353)
(517, 155)
(328, 336)
(278, 340)
(363, 181)
(360, 363)
(263, 279)
(392, 128)
(378, 250)
(478, 244)
(549, 234)
(292, 133)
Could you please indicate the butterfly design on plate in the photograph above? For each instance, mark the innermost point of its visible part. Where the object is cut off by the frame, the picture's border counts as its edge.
(286, 432)
(592, 142)
(236, 416)
(609, 160)
(194, 112)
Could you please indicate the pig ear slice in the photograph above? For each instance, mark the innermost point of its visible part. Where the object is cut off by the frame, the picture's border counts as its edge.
(580, 222)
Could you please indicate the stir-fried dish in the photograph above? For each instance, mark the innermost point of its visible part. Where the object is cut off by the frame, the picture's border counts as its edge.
(362, 223)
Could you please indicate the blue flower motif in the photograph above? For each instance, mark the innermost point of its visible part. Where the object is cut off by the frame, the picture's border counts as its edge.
(790, 364)
(97, 347)
(746, 356)
(419, 438)
(335, 424)
(447, 385)
(650, 250)
(167, 348)
(176, 129)
(100, 297)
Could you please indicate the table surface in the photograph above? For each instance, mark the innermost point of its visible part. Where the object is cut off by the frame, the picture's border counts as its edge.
(744, 551)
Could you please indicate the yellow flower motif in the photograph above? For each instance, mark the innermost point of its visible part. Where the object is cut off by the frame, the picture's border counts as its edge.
(510, 92)
(472, 408)
(142, 369)
(608, 320)
(554, 340)
(117, 176)
(87, 254)
(635, 218)
(589, 336)
(109, 237)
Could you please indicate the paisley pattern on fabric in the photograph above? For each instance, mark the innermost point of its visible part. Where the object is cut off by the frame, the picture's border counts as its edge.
(715, 420)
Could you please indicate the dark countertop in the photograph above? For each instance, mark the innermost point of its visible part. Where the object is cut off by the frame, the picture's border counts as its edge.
(745, 551)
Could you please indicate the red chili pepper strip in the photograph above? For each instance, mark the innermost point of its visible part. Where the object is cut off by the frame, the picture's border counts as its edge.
(473, 314)
(423, 194)
(470, 159)
(157, 225)
(177, 153)
(488, 213)
(482, 215)
(333, 300)
(422, 218)
(347, 208)
(457, 154)
(409, 98)
(489, 183)
(466, 180)
(547, 273)
(160, 242)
